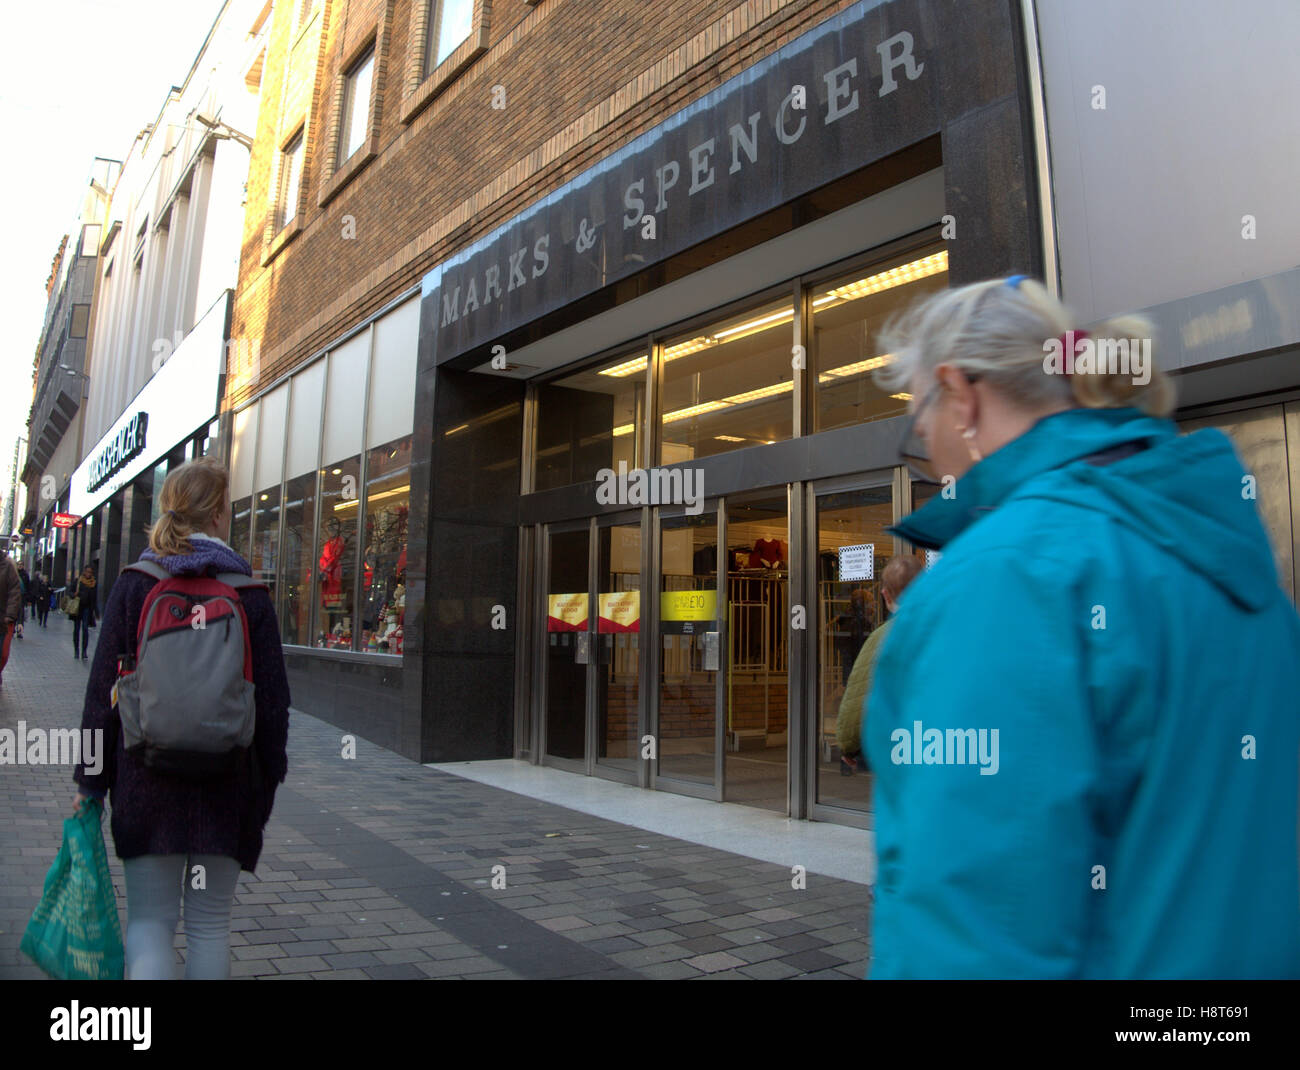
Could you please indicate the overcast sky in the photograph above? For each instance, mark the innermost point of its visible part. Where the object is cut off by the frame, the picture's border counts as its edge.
(80, 80)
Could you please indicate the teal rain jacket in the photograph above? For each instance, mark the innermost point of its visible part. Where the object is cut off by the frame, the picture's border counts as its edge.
(1122, 630)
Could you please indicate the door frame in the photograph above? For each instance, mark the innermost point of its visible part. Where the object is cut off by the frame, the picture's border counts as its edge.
(541, 672)
(654, 655)
(895, 480)
(629, 518)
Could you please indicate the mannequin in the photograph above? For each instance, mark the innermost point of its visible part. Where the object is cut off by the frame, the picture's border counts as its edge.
(331, 567)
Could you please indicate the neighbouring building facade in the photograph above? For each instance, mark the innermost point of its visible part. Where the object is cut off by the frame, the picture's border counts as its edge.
(502, 259)
(165, 271)
(56, 424)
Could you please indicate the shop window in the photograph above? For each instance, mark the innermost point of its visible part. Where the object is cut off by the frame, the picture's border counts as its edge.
(266, 543)
(729, 385)
(847, 314)
(590, 421)
(450, 23)
(241, 515)
(383, 577)
(298, 564)
(336, 555)
(158, 476)
(354, 124)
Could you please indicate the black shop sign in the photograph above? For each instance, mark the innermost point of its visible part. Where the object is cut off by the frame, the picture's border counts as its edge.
(851, 91)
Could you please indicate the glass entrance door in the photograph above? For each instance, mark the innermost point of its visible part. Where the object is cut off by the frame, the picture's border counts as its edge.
(618, 648)
(757, 652)
(689, 660)
(567, 615)
(852, 551)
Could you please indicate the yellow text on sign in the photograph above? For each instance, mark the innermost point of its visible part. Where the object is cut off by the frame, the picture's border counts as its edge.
(688, 605)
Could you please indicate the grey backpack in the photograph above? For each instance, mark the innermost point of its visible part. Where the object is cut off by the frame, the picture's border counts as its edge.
(186, 698)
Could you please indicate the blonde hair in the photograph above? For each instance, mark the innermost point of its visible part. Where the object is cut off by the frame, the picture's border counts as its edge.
(191, 496)
(999, 329)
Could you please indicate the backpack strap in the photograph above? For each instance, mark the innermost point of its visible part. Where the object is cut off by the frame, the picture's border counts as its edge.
(149, 568)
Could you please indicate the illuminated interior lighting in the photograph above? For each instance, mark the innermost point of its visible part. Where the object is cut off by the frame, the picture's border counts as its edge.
(886, 280)
(902, 397)
(462, 427)
(693, 345)
(728, 438)
(354, 502)
(761, 392)
(628, 367)
(336, 472)
(772, 319)
(856, 368)
(623, 429)
(264, 497)
(694, 410)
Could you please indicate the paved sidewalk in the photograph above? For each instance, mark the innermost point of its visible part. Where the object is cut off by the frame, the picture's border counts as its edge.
(379, 867)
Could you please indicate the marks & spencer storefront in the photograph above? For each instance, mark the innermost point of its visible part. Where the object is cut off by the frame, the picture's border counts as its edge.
(702, 307)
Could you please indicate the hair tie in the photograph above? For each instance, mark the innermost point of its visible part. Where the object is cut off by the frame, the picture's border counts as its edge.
(1015, 281)
(172, 512)
(1069, 343)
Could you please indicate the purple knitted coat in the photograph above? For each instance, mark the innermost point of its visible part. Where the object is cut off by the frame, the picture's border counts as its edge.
(153, 814)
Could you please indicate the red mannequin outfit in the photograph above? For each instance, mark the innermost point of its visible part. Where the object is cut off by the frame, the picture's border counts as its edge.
(770, 553)
(331, 566)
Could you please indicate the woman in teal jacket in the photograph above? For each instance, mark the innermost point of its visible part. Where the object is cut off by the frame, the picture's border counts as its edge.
(1085, 722)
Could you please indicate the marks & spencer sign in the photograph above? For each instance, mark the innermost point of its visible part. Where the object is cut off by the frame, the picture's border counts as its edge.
(851, 91)
(123, 447)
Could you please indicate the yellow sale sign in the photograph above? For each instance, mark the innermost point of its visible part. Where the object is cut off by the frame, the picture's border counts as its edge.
(688, 605)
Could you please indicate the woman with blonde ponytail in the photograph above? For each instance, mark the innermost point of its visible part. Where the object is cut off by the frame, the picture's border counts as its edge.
(1103, 653)
(164, 826)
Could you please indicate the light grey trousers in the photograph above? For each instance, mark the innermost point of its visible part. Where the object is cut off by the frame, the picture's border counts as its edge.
(155, 885)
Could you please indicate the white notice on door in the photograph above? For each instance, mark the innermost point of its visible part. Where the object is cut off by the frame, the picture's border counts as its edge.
(858, 562)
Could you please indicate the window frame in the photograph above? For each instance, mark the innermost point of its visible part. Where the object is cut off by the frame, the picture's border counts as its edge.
(347, 114)
(292, 148)
(423, 84)
(376, 42)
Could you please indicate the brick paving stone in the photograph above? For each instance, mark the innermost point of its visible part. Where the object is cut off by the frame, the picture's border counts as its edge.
(770, 970)
(717, 960)
(409, 849)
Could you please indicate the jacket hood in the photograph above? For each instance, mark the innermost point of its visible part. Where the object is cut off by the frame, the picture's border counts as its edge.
(1186, 494)
(208, 555)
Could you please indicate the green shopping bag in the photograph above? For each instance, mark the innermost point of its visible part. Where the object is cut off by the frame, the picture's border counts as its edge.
(75, 934)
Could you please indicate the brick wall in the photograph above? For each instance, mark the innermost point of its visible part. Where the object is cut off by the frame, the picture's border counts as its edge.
(581, 78)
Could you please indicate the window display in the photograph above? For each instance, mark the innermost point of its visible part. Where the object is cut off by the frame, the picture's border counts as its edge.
(336, 560)
(383, 595)
(299, 517)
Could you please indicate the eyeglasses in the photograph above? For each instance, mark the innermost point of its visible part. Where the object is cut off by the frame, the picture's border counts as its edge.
(912, 449)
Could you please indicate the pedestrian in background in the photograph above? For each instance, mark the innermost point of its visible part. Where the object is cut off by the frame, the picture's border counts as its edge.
(40, 598)
(84, 619)
(11, 606)
(1131, 808)
(26, 582)
(900, 571)
(164, 826)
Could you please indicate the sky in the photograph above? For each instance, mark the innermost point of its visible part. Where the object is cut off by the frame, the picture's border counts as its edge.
(80, 79)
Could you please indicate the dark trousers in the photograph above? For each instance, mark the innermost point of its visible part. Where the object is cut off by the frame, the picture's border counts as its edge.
(80, 632)
(42, 610)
